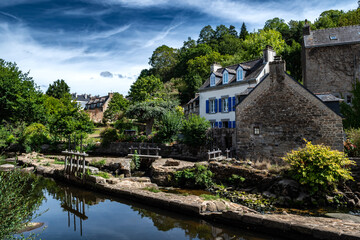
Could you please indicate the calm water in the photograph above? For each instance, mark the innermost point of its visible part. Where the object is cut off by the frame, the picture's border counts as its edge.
(72, 213)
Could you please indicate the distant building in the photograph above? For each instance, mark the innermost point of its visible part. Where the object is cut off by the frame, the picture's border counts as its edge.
(96, 107)
(192, 107)
(331, 60)
(279, 113)
(222, 90)
(81, 99)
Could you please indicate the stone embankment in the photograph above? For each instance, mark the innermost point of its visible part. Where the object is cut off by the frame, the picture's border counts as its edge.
(139, 189)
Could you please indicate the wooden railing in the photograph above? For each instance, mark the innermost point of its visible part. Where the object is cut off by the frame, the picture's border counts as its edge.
(74, 163)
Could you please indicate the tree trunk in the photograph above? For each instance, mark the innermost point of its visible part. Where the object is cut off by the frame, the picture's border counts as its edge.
(149, 125)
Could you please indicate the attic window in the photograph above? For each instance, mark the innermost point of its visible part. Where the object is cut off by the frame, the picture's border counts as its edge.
(212, 80)
(239, 74)
(333, 37)
(225, 77)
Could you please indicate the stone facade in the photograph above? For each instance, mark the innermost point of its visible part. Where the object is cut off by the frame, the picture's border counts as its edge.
(96, 107)
(331, 60)
(278, 114)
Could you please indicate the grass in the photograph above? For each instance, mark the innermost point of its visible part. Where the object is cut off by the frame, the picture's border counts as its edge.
(58, 162)
(208, 197)
(47, 164)
(96, 133)
(103, 175)
(100, 163)
(152, 189)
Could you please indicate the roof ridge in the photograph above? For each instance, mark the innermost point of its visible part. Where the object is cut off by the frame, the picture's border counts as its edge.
(324, 29)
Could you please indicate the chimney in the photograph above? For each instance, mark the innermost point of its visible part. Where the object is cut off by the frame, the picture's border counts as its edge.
(306, 29)
(110, 95)
(215, 66)
(277, 67)
(268, 54)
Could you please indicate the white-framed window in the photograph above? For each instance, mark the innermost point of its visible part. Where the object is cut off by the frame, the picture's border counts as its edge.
(239, 74)
(225, 104)
(212, 80)
(212, 105)
(212, 123)
(225, 77)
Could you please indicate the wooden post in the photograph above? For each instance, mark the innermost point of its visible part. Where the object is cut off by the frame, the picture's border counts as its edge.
(71, 162)
(83, 170)
(148, 150)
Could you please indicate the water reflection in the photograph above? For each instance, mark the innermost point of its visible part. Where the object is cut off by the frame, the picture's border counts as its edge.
(91, 215)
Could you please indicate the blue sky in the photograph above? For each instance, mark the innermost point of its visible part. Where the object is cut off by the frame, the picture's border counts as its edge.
(98, 46)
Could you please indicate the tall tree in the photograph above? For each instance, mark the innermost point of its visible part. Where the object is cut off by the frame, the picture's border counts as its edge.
(117, 106)
(163, 61)
(352, 112)
(145, 88)
(243, 32)
(232, 31)
(58, 89)
(20, 98)
(207, 34)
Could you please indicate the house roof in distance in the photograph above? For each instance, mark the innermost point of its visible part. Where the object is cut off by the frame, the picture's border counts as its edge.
(332, 36)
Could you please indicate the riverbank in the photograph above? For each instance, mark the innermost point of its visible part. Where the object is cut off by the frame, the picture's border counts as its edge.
(140, 189)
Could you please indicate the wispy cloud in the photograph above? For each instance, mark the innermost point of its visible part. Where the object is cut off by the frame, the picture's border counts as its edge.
(18, 2)
(10, 16)
(160, 36)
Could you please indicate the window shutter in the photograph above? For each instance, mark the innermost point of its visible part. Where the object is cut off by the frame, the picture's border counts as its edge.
(216, 124)
(220, 106)
(234, 124)
(216, 105)
(220, 124)
(233, 103)
(230, 124)
(230, 104)
(207, 106)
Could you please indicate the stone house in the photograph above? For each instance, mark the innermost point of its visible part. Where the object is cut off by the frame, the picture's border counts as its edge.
(276, 115)
(331, 60)
(96, 107)
(221, 91)
(192, 107)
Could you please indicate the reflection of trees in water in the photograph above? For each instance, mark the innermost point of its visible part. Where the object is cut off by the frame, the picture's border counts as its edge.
(192, 229)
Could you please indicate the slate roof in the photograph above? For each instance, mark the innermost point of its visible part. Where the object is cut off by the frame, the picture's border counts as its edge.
(96, 100)
(251, 70)
(332, 36)
(327, 97)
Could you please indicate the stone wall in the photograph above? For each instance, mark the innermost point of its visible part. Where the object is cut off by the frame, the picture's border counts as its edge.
(331, 69)
(176, 151)
(285, 113)
(222, 138)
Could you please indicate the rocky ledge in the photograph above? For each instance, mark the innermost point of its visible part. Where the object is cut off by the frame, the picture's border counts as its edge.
(140, 189)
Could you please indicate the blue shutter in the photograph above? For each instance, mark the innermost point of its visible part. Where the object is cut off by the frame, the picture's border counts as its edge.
(216, 105)
(234, 124)
(230, 104)
(220, 124)
(230, 123)
(216, 124)
(233, 103)
(207, 106)
(220, 105)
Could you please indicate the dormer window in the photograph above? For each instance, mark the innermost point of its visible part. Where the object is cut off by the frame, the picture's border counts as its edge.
(225, 77)
(239, 74)
(212, 80)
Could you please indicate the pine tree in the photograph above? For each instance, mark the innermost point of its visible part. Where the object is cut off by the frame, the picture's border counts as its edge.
(243, 32)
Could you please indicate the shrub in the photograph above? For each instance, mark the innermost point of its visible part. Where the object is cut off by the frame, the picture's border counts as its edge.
(34, 136)
(318, 167)
(99, 164)
(135, 161)
(194, 130)
(108, 135)
(199, 177)
(171, 123)
(124, 124)
(352, 144)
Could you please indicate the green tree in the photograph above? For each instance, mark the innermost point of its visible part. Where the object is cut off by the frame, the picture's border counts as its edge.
(145, 88)
(352, 112)
(19, 199)
(163, 61)
(207, 34)
(20, 98)
(116, 108)
(194, 130)
(170, 125)
(148, 111)
(58, 89)
(34, 136)
(243, 32)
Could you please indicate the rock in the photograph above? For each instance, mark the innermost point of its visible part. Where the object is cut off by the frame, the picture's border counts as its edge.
(113, 181)
(95, 179)
(28, 169)
(287, 188)
(211, 206)
(351, 203)
(221, 206)
(268, 194)
(10, 159)
(172, 163)
(7, 167)
(344, 216)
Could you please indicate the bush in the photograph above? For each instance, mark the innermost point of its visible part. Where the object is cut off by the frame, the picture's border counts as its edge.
(135, 161)
(34, 136)
(199, 177)
(194, 130)
(171, 123)
(352, 144)
(318, 167)
(108, 136)
(124, 124)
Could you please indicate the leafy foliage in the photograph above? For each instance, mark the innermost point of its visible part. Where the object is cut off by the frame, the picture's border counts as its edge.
(116, 108)
(199, 177)
(108, 136)
(135, 161)
(352, 112)
(59, 89)
(34, 136)
(352, 144)
(18, 201)
(145, 88)
(170, 126)
(319, 167)
(194, 130)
